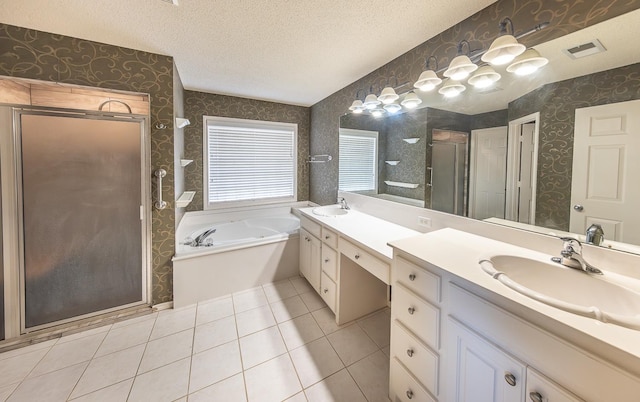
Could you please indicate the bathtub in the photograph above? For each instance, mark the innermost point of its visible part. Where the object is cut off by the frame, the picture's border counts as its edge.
(247, 249)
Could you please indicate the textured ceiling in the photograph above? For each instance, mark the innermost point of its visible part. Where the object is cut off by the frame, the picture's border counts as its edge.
(290, 51)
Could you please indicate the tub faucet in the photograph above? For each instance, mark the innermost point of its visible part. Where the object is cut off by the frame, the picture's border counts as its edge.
(198, 241)
(343, 203)
(572, 256)
(595, 235)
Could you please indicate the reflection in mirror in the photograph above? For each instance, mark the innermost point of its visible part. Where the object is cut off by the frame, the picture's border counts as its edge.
(549, 152)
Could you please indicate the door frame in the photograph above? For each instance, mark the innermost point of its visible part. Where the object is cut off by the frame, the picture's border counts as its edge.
(13, 246)
(513, 166)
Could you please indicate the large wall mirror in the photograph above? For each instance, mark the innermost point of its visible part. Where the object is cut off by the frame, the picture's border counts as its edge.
(554, 152)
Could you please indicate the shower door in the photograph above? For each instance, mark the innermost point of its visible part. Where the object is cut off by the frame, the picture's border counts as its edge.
(82, 221)
(448, 176)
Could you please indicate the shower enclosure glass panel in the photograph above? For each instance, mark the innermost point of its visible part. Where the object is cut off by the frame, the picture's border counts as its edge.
(81, 205)
(449, 166)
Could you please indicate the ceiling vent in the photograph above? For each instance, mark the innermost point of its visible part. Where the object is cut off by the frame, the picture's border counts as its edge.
(584, 50)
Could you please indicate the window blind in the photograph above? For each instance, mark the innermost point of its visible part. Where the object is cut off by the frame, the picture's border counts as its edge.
(250, 161)
(358, 161)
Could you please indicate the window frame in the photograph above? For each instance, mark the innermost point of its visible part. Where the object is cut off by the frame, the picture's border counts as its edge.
(246, 124)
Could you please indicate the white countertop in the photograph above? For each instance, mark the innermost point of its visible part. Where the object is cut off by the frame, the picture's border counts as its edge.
(371, 232)
(459, 252)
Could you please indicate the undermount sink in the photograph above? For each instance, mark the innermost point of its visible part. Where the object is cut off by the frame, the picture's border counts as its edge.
(568, 289)
(330, 210)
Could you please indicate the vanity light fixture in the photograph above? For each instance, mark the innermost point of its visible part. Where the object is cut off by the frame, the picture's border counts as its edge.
(388, 95)
(392, 108)
(411, 100)
(505, 47)
(461, 66)
(357, 106)
(527, 63)
(452, 88)
(377, 112)
(371, 102)
(428, 79)
(484, 77)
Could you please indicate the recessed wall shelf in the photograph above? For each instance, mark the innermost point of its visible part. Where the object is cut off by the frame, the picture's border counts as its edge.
(400, 184)
(392, 163)
(185, 162)
(185, 199)
(412, 140)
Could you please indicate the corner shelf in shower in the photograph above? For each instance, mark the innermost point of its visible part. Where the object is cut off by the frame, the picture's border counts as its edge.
(392, 163)
(411, 140)
(400, 184)
(185, 162)
(185, 199)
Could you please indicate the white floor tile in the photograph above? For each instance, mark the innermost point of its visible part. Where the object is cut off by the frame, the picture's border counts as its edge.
(125, 337)
(135, 320)
(274, 380)
(352, 344)
(50, 387)
(299, 397)
(7, 390)
(339, 387)
(249, 299)
(166, 383)
(300, 284)
(286, 309)
(327, 320)
(28, 349)
(68, 354)
(315, 361)
(214, 334)
(254, 320)
(312, 300)
(387, 351)
(214, 365)
(108, 370)
(372, 376)
(261, 346)
(84, 334)
(166, 350)
(299, 331)
(231, 389)
(214, 310)
(16, 368)
(172, 321)
(114, 393)
(378, 327)
(279, 290)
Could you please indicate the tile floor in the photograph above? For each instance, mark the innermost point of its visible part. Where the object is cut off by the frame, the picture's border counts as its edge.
(271, 343)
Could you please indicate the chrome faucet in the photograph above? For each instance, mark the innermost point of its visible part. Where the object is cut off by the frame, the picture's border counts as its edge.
(198, 241)
(343, 203)
(572, 256)
(595, 235)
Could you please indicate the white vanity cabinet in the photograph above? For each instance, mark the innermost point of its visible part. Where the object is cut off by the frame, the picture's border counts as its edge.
(310, 252)
(329, 267)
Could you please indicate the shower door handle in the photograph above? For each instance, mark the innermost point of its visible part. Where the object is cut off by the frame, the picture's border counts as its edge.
(160, 204)
(430, 184)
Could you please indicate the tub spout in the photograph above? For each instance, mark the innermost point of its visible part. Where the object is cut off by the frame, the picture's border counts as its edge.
(198, 241)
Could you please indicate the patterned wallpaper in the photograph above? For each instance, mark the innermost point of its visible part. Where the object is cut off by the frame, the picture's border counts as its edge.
(198, 104)
(565, 16)
(27, 53)
(557, 104)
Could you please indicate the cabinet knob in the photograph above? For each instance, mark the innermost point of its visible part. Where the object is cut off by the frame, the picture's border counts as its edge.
(409, 394)
(411, 310)
(410, 352)
(326, 290)
(510, 379)
(327, 237)
(536, 397)
(357, 256)
(326, 260)
(412, 277)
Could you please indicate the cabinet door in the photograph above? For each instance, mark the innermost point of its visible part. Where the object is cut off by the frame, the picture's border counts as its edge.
(310, 258)
(542, 389)
(479, 371)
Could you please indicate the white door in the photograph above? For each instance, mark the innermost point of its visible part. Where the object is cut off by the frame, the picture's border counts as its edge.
(488, 172)
(606, 161)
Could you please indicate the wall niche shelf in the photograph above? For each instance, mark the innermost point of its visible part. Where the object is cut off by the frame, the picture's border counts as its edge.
(185, 162)
(392, 163)
(411, 140)
(185, 199)
(400, 184)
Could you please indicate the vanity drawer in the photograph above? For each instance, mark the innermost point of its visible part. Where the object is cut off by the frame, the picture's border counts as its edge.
(330, 237)
(424, 283)
(328, 291)
(310, 226)
(367, 261)
(420, 316)
(404, 387)
(420, 360)
(330, 262)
